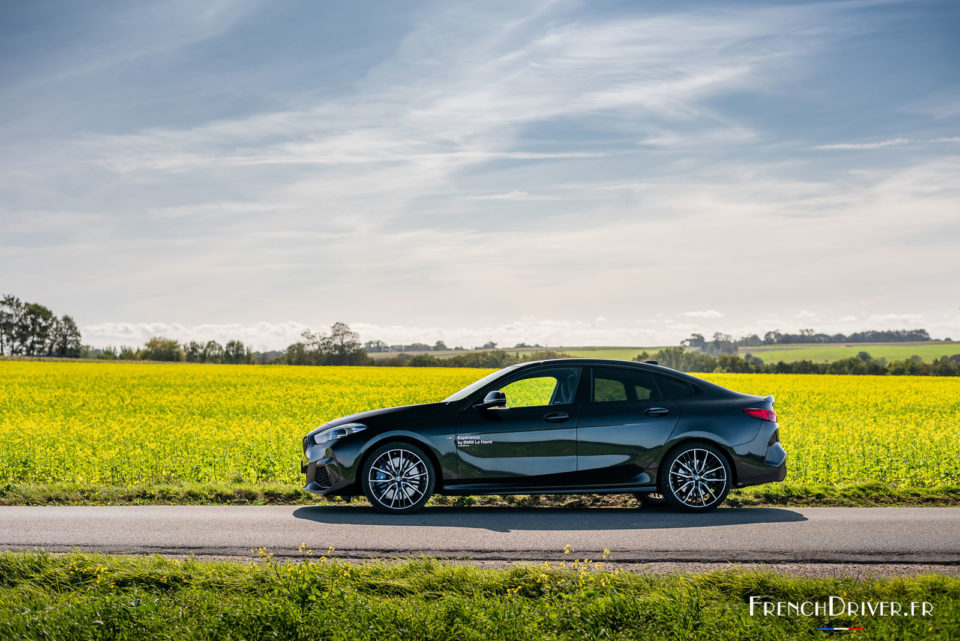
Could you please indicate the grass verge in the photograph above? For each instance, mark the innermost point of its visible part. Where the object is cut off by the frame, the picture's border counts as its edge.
(83, 596)
(872, 494)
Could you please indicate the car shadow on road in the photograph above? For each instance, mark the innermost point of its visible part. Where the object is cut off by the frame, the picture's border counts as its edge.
(501, 519)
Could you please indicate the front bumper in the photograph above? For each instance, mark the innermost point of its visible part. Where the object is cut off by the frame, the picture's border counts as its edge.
(329, 468)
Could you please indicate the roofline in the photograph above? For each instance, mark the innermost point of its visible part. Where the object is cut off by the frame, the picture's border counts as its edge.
(599, 361)
(703, 385)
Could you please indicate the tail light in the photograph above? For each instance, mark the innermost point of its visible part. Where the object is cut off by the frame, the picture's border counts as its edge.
(763, 415)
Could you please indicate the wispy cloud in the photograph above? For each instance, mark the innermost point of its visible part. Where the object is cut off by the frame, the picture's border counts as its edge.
(893, 142)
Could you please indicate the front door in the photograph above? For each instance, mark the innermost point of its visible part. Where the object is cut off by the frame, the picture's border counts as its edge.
(531, 441)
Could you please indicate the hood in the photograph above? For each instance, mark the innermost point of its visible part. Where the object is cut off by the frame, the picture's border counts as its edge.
(389, 417)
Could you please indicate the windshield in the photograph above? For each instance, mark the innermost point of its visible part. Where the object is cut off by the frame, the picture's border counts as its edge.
(473, 387)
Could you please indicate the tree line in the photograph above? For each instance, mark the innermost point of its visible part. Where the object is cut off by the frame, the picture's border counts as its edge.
(727, 344)
(32, 329)
(685, 360)
(168, 349)
(342, 346)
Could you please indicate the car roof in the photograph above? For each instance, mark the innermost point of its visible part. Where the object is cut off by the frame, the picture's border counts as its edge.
(705, 386)
(597, 361)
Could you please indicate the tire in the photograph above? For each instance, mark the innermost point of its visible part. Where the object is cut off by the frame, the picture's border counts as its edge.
(398, 478)
(651, 499)
(698, 477)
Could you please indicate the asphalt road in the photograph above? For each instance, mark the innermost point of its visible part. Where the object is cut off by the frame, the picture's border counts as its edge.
(811, 535)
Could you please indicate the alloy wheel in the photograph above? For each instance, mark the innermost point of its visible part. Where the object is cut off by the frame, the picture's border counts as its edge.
(398, 479)
(698, 479)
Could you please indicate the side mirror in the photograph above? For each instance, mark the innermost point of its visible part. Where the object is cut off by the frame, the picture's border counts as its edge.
(494, 398)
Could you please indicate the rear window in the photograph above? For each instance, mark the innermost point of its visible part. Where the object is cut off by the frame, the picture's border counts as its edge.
(612, 385)
(674, 388)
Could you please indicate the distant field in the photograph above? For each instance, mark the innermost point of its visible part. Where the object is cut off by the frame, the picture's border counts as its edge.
(820, 353)
(816, 352)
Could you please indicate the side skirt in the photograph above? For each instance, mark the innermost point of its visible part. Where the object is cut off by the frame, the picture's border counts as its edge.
(463, 490)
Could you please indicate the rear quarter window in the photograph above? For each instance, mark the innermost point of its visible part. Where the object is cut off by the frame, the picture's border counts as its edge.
(673, 388)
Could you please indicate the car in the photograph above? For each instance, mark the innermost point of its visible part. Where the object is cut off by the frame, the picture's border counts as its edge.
(562, 426)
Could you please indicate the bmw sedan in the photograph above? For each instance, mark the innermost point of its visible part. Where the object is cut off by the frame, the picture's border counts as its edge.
(555, 427)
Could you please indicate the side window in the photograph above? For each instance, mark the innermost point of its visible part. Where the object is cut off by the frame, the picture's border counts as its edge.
(611, 385)
(674, 388)
(608, 390)
(555, 386)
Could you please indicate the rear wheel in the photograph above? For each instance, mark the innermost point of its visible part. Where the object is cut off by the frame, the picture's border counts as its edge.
(698, 477)
(398, 478)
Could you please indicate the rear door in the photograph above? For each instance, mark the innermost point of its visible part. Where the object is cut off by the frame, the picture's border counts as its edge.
(533, 440)
(622, 428)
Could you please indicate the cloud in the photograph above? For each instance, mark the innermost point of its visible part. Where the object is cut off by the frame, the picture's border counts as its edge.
(706, 313)
(880, 144)
(512, 195)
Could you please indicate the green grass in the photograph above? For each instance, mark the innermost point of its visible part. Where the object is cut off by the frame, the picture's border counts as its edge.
(820, 353)
(82, 596)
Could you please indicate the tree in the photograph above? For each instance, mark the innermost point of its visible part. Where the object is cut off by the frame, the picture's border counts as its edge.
(376, 346)
(721, 344)
(772, 338)
(108, 353)
(10, 310)
(193, 352)
(439, 346)
(489, 345)
(696, 341)
(65, 341)
(162, 349)
(343, 346)
(236, 353)
(35, 329)
(212, 352)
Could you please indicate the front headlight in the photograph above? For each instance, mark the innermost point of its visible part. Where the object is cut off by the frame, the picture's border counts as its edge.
(333, 433)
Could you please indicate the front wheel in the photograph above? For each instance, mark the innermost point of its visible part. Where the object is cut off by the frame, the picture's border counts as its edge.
(398, 478)
(698, 478)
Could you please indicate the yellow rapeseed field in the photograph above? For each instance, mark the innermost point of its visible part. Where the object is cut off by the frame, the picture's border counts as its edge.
(136, 423)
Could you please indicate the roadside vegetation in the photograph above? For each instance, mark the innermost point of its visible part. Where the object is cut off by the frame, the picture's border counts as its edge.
(176, 433)
(85, 596)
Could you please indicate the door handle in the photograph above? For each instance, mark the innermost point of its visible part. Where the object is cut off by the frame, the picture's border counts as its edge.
(556, 417)
(657, 411)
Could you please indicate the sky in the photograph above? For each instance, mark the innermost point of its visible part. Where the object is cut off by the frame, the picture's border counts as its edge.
(566, 173)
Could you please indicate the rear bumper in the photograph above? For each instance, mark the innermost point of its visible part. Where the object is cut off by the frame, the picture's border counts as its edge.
(760, 461)
(773, 470)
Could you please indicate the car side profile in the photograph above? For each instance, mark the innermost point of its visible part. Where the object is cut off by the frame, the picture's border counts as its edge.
(561, 426)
